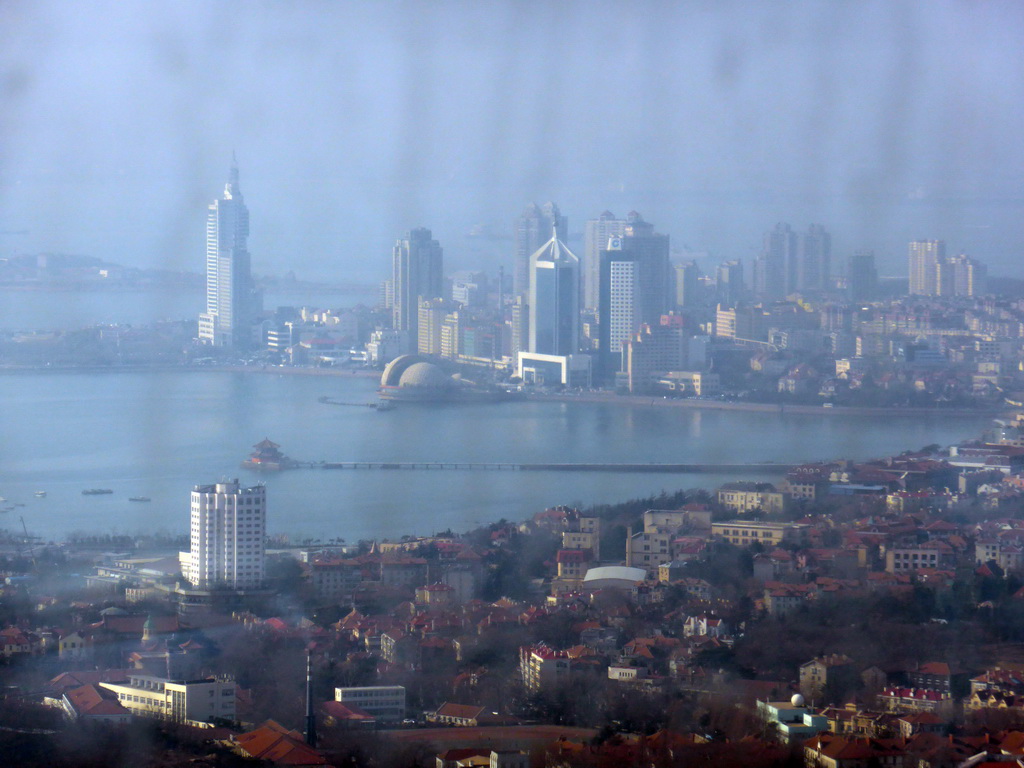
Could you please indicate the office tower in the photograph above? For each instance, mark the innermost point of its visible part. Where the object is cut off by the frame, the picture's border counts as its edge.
(233, 304)
(596, 234)
(966, 276)
(532, 230)
(729, 282)
(687, 284)
(924, 257)
(775, 268)
(861, 276)
(416, 274)
(634, 288)
(228, 536)
(814, 260)
(554, 299)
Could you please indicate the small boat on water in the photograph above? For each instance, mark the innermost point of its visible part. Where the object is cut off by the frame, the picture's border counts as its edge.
(41, 494)
(96, 491)
(139, 498)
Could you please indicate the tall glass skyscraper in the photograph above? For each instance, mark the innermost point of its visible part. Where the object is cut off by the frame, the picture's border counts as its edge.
(417, 273)
(554, 299)
(233, 304)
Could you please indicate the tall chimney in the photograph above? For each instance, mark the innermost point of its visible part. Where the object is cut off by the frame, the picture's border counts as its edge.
(310, 715)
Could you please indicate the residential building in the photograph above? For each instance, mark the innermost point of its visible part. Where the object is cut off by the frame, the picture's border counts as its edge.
(384, 702)
(745, 496)
(924, 257)
(417, 274)
(541, 666)
(691, 383)
(746, 532)
(183, 701)
(827, 678)
(233, 303)
(228, 534)
(654, 350)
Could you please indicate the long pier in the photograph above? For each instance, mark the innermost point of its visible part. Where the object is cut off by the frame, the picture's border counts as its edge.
(763, 468)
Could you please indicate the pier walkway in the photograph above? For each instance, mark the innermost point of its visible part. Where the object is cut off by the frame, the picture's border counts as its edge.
(763, 468)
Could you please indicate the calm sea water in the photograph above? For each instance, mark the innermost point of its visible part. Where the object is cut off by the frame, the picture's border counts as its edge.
(157, 434)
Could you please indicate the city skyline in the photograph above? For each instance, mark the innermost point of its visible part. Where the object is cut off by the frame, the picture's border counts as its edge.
(745, 117)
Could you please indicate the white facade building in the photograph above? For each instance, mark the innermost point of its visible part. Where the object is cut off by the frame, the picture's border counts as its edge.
(228, 534)
(233, 303)
(183, 701)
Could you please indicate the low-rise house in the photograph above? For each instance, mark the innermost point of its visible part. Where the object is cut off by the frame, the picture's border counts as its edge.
(94, 703)
(465, 715)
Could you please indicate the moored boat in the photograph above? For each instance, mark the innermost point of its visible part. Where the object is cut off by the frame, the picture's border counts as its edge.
(139, 498)
(96, 491)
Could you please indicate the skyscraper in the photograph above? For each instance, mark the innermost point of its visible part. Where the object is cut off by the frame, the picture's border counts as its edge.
(924, 257)
(554, 299)
(967, 276)
(532, 230)
(687, 284)
(233, 304)
(228, 530)
(775, 267)
(861, 276)
(791, 262)
(417, 273)
(635, 287)
(729, 282)
(814, 260)
(595, 239)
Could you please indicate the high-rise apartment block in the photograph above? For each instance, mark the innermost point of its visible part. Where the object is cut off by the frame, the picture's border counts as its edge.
(924, 257)
(233, 304)
(532, 230)
(968, 276)
(417, 274)
(554, 299)
(228, 534)
(790, 262)
(932, 273)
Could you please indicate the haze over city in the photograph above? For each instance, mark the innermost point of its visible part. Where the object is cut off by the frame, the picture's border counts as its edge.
(355, 122)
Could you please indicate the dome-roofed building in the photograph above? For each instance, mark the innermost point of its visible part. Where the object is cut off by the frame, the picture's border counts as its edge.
(426, 375)
(416, 378)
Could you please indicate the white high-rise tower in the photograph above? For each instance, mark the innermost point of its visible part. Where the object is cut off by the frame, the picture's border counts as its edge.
(232, 302)
(228, 536)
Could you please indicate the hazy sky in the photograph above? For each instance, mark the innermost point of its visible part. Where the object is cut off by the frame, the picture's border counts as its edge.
(355, 121)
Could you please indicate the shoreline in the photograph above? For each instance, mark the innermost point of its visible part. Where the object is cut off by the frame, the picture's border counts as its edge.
(592, 397)
(779, 408)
